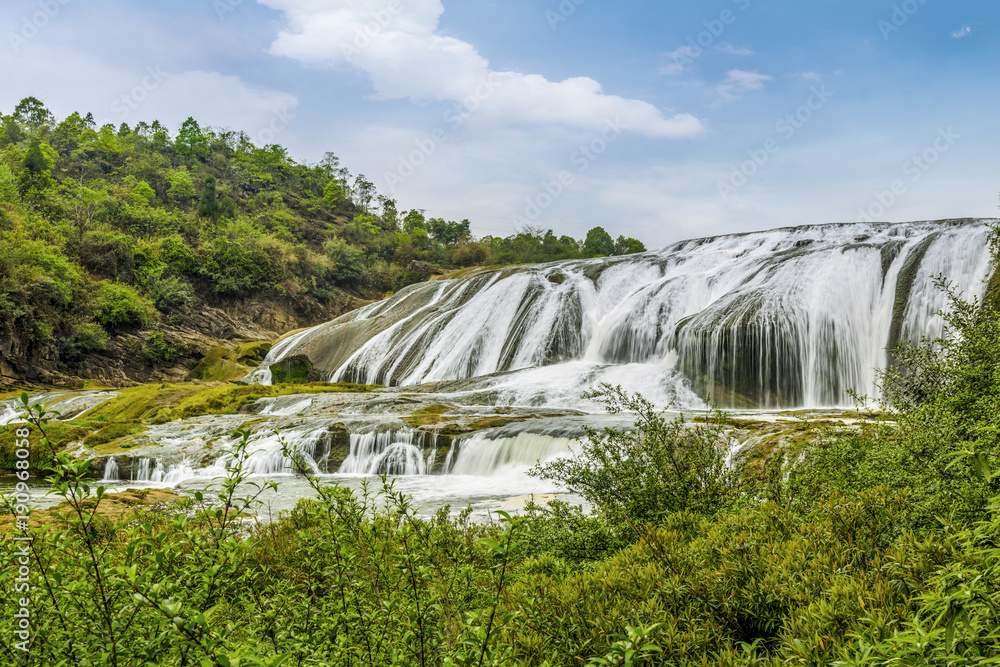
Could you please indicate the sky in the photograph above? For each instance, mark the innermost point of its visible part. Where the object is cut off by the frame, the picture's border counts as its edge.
(660, 120)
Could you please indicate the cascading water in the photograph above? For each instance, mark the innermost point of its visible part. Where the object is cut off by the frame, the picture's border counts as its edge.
(785, 318)
(388, 453)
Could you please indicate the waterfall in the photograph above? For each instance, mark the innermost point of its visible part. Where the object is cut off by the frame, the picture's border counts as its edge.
(483, 457)
(111, 470)
(389, 453)
(784, 318)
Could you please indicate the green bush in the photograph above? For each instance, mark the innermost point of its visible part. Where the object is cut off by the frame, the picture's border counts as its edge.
(170, 293)
(86, 338)
(348, 260)
(158, 351)
(652, 470)
(116, 306)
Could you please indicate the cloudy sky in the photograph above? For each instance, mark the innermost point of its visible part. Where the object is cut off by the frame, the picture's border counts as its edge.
(662, 120)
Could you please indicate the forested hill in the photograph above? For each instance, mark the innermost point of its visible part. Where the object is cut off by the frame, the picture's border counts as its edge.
(134, 253)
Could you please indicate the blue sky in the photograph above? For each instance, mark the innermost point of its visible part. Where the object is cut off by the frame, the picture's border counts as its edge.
(660, 120)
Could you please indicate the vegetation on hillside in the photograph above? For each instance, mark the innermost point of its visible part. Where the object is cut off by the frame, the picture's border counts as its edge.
(873, 545)
(105, 229)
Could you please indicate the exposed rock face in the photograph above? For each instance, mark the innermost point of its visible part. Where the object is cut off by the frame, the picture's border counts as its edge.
(221, 330)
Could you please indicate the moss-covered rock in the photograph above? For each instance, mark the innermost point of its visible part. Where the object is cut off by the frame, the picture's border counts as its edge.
(292, 370)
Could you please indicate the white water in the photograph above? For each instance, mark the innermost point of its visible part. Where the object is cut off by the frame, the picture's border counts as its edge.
(789, 317)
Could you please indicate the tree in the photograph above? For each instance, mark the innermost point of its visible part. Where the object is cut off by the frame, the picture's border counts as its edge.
(66, 137)
(181, 190)
(364, 191)
(448, 233)
(628, 246)
(414, 220)
(191, 141)
(390, 216)
(87, 201)
(598, 243)
(36, 167)
(208, 205)
(333, 194)
(651, 470)
(32, 113)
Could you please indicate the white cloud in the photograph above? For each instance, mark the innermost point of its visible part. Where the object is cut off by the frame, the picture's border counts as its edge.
(738, 82)
(398, 45)
(678, 58)
(733, 50)
(811, 76)
(964, 31)
(223, 101)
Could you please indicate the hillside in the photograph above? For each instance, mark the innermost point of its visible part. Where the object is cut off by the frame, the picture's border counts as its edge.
(135, 254)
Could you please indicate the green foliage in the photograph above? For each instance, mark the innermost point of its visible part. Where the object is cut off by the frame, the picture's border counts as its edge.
(181, 190)
(647, 472)
(118, 306)
(448, 233)
(291, 370)
(209, 206)
(628, 246)
(191, 141)
(348, 260)
(8, 186)
(333, 194)
(158, 351)
(170, 293)
(598, 243)
(86, 338)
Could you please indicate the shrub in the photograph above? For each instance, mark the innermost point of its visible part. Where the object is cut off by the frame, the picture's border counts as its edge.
(116, 305)
(348, 260)
(158, 351)
(647, 472)
(170, 293)
(85, 338)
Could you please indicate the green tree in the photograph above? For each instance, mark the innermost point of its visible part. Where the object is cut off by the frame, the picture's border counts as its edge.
(333, 194)
(348, 260)
(117, 305)
(8, 186)
(32, 113)
(191, 141)
(598, 243)
(628, 246)
(36, 167)
(651, 470)
(446, 232)
(181, 190)
(209, 206)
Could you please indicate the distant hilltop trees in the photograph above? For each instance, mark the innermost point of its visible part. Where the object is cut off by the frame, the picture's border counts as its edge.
(109, 227)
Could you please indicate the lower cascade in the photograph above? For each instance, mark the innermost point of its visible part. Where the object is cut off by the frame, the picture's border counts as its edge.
(498, 453)
(794, 317)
